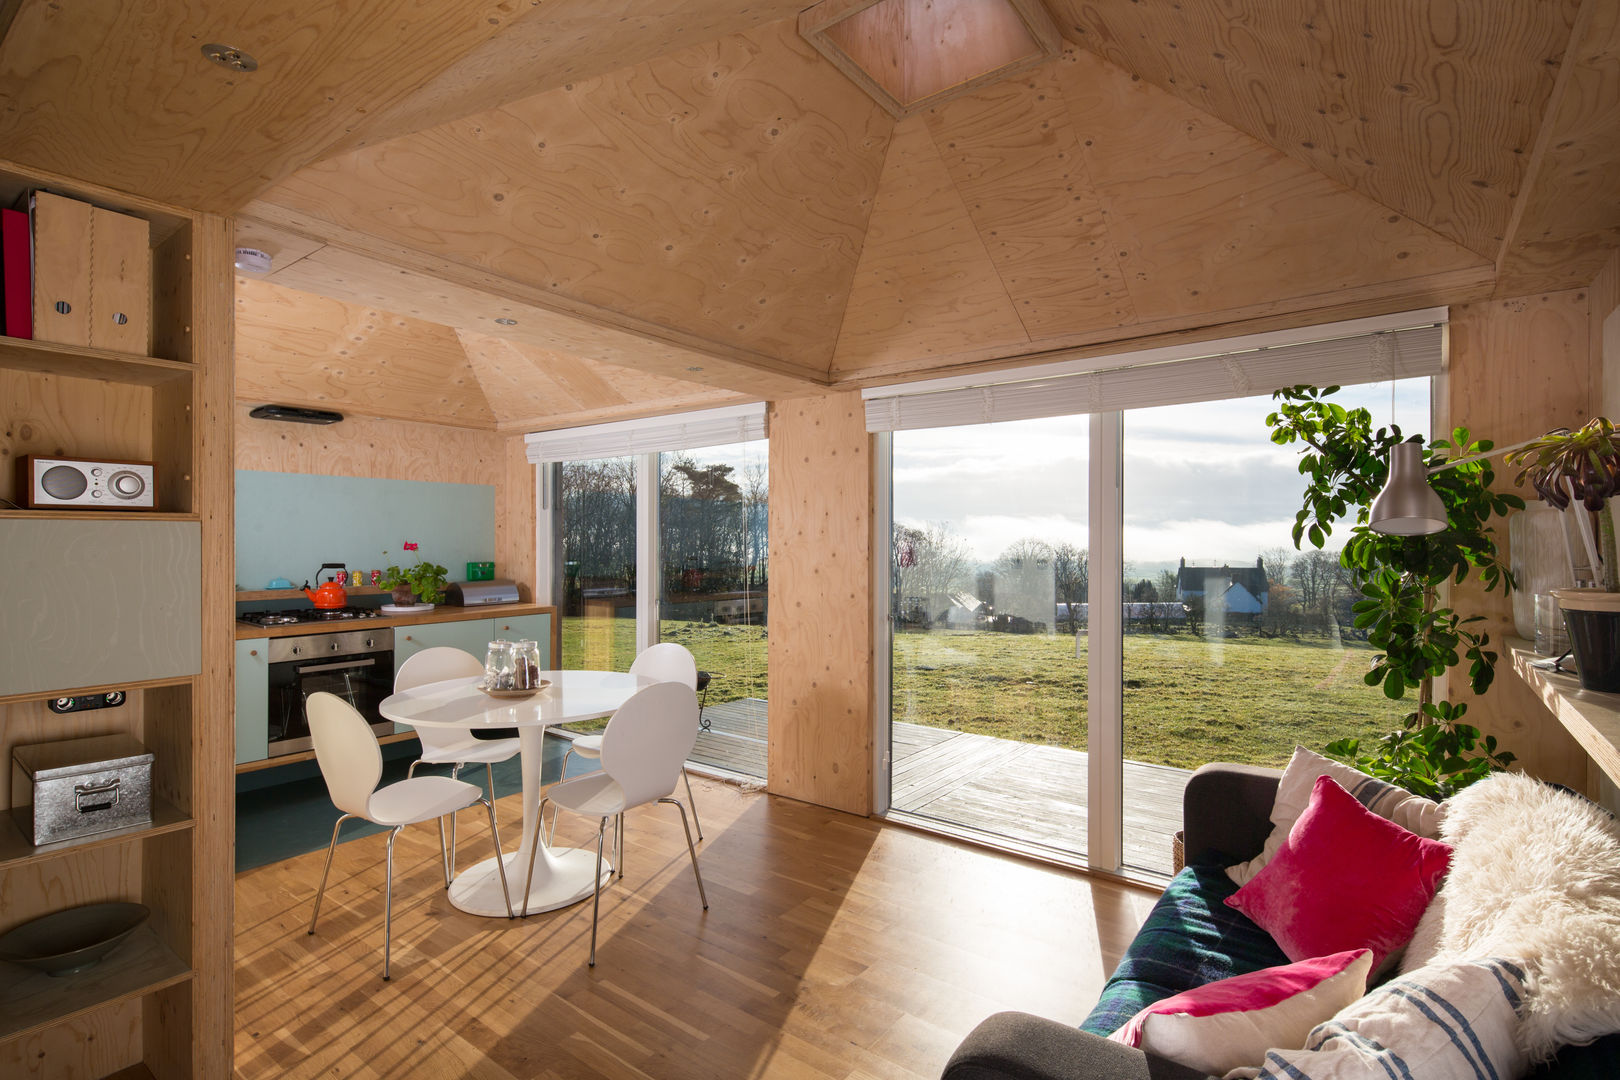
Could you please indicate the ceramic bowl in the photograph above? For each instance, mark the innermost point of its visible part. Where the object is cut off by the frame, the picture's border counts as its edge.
(68, 941)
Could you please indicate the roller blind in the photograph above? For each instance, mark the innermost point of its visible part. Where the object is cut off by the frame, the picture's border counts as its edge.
(1365, 350)
(683, 431)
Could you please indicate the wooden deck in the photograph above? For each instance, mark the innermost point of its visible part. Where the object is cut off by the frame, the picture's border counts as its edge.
(1025, 791)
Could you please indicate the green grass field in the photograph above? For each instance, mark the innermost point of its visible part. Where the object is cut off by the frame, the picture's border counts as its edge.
(1187, 700)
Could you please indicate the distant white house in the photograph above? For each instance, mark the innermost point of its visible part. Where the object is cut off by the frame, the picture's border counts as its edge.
(1241, 591)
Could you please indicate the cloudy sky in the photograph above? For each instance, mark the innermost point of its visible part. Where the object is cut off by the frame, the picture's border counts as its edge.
(1202, 481)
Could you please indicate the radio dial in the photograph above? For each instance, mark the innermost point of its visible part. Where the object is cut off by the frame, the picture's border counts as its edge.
(296, 650)
(335, 646)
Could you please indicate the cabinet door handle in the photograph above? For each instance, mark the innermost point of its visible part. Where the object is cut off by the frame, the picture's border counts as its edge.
(409, 638)
(253, 652)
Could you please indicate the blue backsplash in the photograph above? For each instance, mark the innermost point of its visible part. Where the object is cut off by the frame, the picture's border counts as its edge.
(287, 524)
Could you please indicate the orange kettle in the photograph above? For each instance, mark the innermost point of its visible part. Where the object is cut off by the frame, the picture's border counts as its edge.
(330, 594)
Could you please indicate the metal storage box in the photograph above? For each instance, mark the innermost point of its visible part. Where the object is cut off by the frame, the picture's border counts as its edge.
(78, 787)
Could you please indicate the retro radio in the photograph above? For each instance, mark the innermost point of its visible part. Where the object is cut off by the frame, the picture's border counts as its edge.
(85, 483)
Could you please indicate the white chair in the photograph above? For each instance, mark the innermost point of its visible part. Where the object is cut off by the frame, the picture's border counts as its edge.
(351, 764)
(666, 662)
(643, 750)
(449, 746)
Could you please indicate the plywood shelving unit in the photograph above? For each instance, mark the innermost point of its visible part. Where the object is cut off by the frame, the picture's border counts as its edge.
(159, 1005)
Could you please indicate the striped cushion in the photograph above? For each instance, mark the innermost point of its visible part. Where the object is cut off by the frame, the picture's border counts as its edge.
(1447, 1021)
(1411, 812)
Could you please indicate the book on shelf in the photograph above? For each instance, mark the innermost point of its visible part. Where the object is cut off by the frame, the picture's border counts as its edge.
(16, 276)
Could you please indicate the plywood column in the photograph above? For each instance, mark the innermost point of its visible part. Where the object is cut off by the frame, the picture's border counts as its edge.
(1519, 367)
(821, 583)
(515, 519)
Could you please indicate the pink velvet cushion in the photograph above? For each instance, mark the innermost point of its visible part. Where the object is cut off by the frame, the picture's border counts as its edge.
(1344, 879)
(1231, 1023)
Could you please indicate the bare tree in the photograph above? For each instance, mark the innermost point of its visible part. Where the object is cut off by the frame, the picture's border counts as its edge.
(929, 564)
(1071, 574)
(1025, 583)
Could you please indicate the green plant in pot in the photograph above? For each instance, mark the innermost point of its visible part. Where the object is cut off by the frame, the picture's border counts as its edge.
(1578, 472)
(421, 582)
(1344, 460)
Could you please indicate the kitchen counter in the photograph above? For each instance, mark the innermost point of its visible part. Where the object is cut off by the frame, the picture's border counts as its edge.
(440, 614)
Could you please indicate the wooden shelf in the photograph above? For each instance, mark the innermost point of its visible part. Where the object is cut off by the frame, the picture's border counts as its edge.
(100, 688)
(99, 515)
(83, 362)
(1592, 718)
(31, 1000)
(440, 614)
(15, 850)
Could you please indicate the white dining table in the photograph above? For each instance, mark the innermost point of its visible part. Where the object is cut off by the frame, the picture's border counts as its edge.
(562, 876)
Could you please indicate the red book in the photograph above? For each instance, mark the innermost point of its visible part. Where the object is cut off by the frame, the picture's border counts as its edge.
(16, 274)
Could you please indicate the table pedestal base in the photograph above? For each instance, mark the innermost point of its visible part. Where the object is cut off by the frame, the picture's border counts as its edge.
(562, 876)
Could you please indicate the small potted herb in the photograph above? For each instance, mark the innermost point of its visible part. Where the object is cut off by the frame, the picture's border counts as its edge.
(422, 582)
(1578, 472)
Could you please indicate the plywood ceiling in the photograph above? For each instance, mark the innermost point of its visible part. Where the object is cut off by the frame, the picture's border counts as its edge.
(296, 348)
(599, 207)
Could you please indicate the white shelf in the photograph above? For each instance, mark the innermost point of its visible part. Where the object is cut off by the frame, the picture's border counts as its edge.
(1592, 718)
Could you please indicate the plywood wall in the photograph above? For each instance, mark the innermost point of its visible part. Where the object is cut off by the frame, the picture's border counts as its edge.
(821, 588)
(1518, 368)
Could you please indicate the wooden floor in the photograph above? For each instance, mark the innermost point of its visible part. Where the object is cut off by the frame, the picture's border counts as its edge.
(1024, 791)
(834, 947)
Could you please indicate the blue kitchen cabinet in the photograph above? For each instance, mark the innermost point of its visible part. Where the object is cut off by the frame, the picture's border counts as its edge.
(470, 635)
(252, 700)
(526, 628)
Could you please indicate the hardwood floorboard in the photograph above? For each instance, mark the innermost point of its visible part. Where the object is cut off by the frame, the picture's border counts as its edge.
(834, 948)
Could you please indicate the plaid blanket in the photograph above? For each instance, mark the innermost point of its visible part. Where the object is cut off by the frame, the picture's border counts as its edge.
(1190, 938)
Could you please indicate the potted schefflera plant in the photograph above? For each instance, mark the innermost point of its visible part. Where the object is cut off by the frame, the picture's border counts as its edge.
(422, 582)
(1578, 472)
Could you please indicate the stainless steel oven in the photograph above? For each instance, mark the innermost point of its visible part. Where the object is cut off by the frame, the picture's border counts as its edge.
(356, 665)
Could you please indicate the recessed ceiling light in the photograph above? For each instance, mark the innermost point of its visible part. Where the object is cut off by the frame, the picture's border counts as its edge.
(226, 56)
(507, 322)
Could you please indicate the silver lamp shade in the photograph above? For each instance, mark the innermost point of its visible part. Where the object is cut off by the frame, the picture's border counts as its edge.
(1407, 506)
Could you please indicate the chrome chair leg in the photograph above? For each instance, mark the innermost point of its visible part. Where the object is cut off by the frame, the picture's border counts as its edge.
(500, 858)
(618, 842)
(410, 772)
(695, 821)
(490, 769)
(528, 880)
(596, 893)
(455, 774)
(320, 892)
(388, 903)
(691, 851)
(444, 850)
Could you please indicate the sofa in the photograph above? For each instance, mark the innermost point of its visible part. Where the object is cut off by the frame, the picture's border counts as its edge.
(1190, 938)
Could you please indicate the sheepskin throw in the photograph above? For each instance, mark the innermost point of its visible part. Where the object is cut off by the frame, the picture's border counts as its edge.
(1535, 873)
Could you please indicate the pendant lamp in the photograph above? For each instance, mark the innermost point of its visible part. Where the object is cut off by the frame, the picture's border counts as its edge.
(1407, 506)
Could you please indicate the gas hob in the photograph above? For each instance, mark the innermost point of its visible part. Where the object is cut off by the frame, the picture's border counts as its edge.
(294, 616)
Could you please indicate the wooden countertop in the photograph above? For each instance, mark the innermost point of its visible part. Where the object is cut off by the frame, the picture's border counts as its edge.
(440, 614)
(1591, 717)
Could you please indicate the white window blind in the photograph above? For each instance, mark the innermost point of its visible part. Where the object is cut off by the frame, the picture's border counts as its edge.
(683, 431)
(1402, 346)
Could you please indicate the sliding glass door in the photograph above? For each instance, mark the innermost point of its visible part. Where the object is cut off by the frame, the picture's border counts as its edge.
(595, 525)
(713, 509)
(987, 608)
(1237, 646)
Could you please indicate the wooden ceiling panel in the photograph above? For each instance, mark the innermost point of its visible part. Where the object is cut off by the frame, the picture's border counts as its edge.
(721, 190)
(448, 294)
(119, 93)
(926, 285)
(532, 389)
(1570, 219)
(559, 42)
(1428, 108)
(293, 348)
(1014, 156)
(1206, 218)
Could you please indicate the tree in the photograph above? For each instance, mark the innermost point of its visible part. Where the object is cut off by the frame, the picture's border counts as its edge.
(929, 564)
(1276, 560)
(1025, 582)
(1071, 575)
(598, 500)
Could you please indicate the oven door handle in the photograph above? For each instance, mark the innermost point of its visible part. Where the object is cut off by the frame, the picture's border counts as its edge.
(311, 669)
